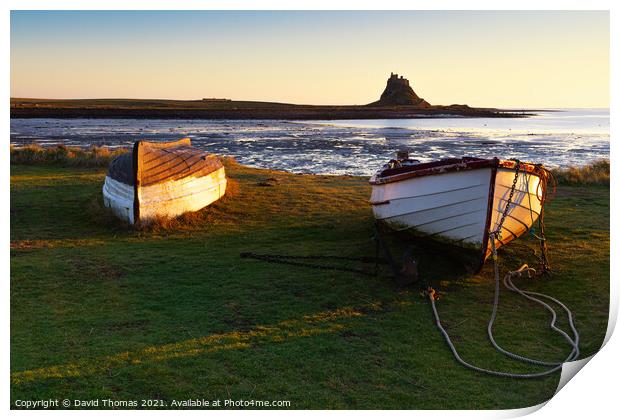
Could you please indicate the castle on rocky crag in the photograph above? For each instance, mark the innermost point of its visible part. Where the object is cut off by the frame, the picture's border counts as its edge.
(398, 92)
(394, 78)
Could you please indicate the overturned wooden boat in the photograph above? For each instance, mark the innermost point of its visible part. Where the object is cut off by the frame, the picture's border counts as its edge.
(160, 179)
(460, 201)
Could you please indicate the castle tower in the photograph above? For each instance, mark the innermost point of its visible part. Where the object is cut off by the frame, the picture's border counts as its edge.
(398, 92)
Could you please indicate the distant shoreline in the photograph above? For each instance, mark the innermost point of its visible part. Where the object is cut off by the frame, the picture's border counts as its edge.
(237, 110)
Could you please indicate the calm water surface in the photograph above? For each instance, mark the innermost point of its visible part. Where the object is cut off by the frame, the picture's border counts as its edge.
(355, 147)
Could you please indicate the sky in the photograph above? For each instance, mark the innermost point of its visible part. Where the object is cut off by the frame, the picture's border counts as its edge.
(497, 59)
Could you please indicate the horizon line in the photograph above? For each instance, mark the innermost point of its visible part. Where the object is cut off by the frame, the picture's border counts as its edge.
(508, 107)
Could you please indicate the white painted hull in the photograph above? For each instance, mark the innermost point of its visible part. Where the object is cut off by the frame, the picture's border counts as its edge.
(162, 180)
(453, 207)
(119, 198)
(173, 198)
(167, 199)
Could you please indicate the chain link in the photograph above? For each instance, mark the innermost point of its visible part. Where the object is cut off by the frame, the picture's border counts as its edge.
(544, 258)
(498, 231)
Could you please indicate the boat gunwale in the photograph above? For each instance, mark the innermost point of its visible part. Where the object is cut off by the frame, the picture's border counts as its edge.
(451, 165)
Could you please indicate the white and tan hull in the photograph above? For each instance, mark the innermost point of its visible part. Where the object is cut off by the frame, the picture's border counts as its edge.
(167, 199)
(525, 209)
(453, 207)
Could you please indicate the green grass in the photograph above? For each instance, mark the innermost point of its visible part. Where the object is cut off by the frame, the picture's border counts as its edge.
(99, 310)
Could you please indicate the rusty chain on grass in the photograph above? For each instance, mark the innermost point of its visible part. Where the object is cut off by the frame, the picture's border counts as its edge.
(294, 260)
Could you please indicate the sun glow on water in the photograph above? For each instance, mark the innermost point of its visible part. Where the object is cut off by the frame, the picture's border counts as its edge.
(570, 137)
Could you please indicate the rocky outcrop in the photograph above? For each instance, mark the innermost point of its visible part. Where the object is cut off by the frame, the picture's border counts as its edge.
(398, 92)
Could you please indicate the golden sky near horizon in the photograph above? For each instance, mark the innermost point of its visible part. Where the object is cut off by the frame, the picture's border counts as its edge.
(499, 59)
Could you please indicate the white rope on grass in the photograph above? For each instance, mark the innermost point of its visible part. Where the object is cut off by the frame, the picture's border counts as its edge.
(574, 342)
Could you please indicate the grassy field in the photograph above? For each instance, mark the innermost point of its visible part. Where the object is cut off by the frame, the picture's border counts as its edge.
(99, 310)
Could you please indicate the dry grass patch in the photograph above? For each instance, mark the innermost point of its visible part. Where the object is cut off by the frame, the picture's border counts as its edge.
(62, 155)
(595, 173)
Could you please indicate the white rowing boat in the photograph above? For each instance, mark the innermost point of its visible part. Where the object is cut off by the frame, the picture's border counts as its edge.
(459, 201)
(162, 180)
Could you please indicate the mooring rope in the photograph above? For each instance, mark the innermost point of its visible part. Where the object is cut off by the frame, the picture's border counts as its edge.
(509, 284)
(574, 342)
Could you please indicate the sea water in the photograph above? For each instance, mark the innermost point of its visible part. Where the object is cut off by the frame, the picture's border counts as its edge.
(354, 147)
